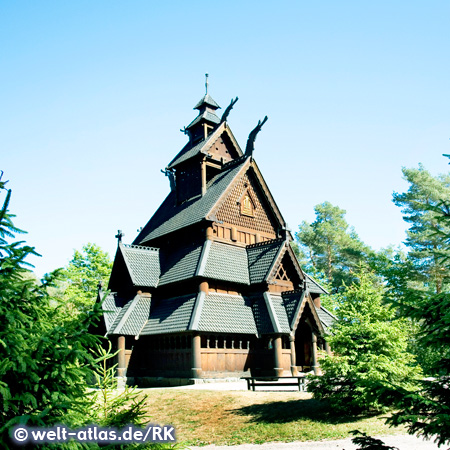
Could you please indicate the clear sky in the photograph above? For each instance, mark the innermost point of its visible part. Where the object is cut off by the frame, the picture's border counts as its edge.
(94, 93)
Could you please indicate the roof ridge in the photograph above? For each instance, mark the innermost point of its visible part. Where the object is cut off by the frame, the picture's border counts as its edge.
(234, 161)
(262, 244)
(198, 145)
(293, 291)
(328, 312)
(140, 247)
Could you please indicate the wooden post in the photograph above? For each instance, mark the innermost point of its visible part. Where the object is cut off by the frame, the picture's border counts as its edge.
(277, 349)
(204, 287)
(203, 166)
(209, 233)
(196, 356)
(317, 303)
(327, 348)
(294, 370)
(314, 363)
(121, 364)
(196, 347)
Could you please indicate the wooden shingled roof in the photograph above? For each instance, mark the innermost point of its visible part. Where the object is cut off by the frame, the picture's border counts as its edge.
(215, 312)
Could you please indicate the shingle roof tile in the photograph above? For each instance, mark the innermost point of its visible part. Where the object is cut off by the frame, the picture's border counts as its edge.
(261, 257)
(261, 315)
(143, 264)
(170, 315)
(119, 317)
(111, 308)
(207, 99)
(326, 317)
(136, 316)
(227, 263)
(280, 311)
(313, 286)
(290, 302)
(224, 313)
(206, 115)
(179, 263)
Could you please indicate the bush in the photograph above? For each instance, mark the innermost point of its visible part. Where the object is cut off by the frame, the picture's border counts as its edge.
(370, 352)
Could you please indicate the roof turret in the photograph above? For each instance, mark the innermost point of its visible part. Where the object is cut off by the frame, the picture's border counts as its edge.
(207, 120)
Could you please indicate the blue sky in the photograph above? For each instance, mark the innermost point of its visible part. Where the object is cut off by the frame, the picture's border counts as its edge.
(93, 95)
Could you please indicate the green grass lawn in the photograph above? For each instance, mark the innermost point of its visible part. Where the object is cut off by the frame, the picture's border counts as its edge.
(236, 417)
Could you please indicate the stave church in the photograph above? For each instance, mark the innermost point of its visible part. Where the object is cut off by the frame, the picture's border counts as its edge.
(210, 287)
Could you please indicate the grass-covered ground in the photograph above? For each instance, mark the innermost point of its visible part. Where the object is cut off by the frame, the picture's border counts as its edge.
(235, 417)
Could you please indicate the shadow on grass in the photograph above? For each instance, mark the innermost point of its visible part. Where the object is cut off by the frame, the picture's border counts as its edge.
(293, 410)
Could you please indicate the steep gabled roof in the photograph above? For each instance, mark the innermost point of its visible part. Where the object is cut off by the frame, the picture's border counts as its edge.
(306, 302)
(207, 116)
(112, 306)
(125, 316)
(281, 313)
(135, 265)
(142, 263)
(261, 258)
(135, 315)
(193, 149)
(171, 216)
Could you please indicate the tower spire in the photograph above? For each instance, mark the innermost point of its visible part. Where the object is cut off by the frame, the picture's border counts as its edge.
(207, 120)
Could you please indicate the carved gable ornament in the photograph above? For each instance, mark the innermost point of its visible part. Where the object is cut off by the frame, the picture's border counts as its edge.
(247, 204)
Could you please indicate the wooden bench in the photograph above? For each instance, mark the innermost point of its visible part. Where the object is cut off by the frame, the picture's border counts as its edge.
(298, 381)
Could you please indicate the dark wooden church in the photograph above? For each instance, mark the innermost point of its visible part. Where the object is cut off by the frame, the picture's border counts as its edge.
(210, 287)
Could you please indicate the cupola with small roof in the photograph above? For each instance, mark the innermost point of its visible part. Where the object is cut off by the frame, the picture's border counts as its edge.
(207, 120)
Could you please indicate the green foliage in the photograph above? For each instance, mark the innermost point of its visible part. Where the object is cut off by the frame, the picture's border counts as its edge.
(427, 410)
(330, 246)
(81, 277)
(43, 362)
(45, 358)
(426, 235)
(369, 344)
(114, 407)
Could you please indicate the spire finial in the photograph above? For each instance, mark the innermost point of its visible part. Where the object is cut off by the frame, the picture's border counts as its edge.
(206, 82)
(119, 235)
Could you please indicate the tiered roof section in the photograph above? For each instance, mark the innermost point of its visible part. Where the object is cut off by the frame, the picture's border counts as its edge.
(214, 313)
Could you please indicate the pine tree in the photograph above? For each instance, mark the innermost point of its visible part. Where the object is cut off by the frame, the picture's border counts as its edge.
(331, 246)
(43, 362)
(426, 235)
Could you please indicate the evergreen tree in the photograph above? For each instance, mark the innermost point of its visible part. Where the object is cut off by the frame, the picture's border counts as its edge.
(426, 235)
(46, 357)
(43, 362)
(331, 246)
(369, 344)
(427, 411)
